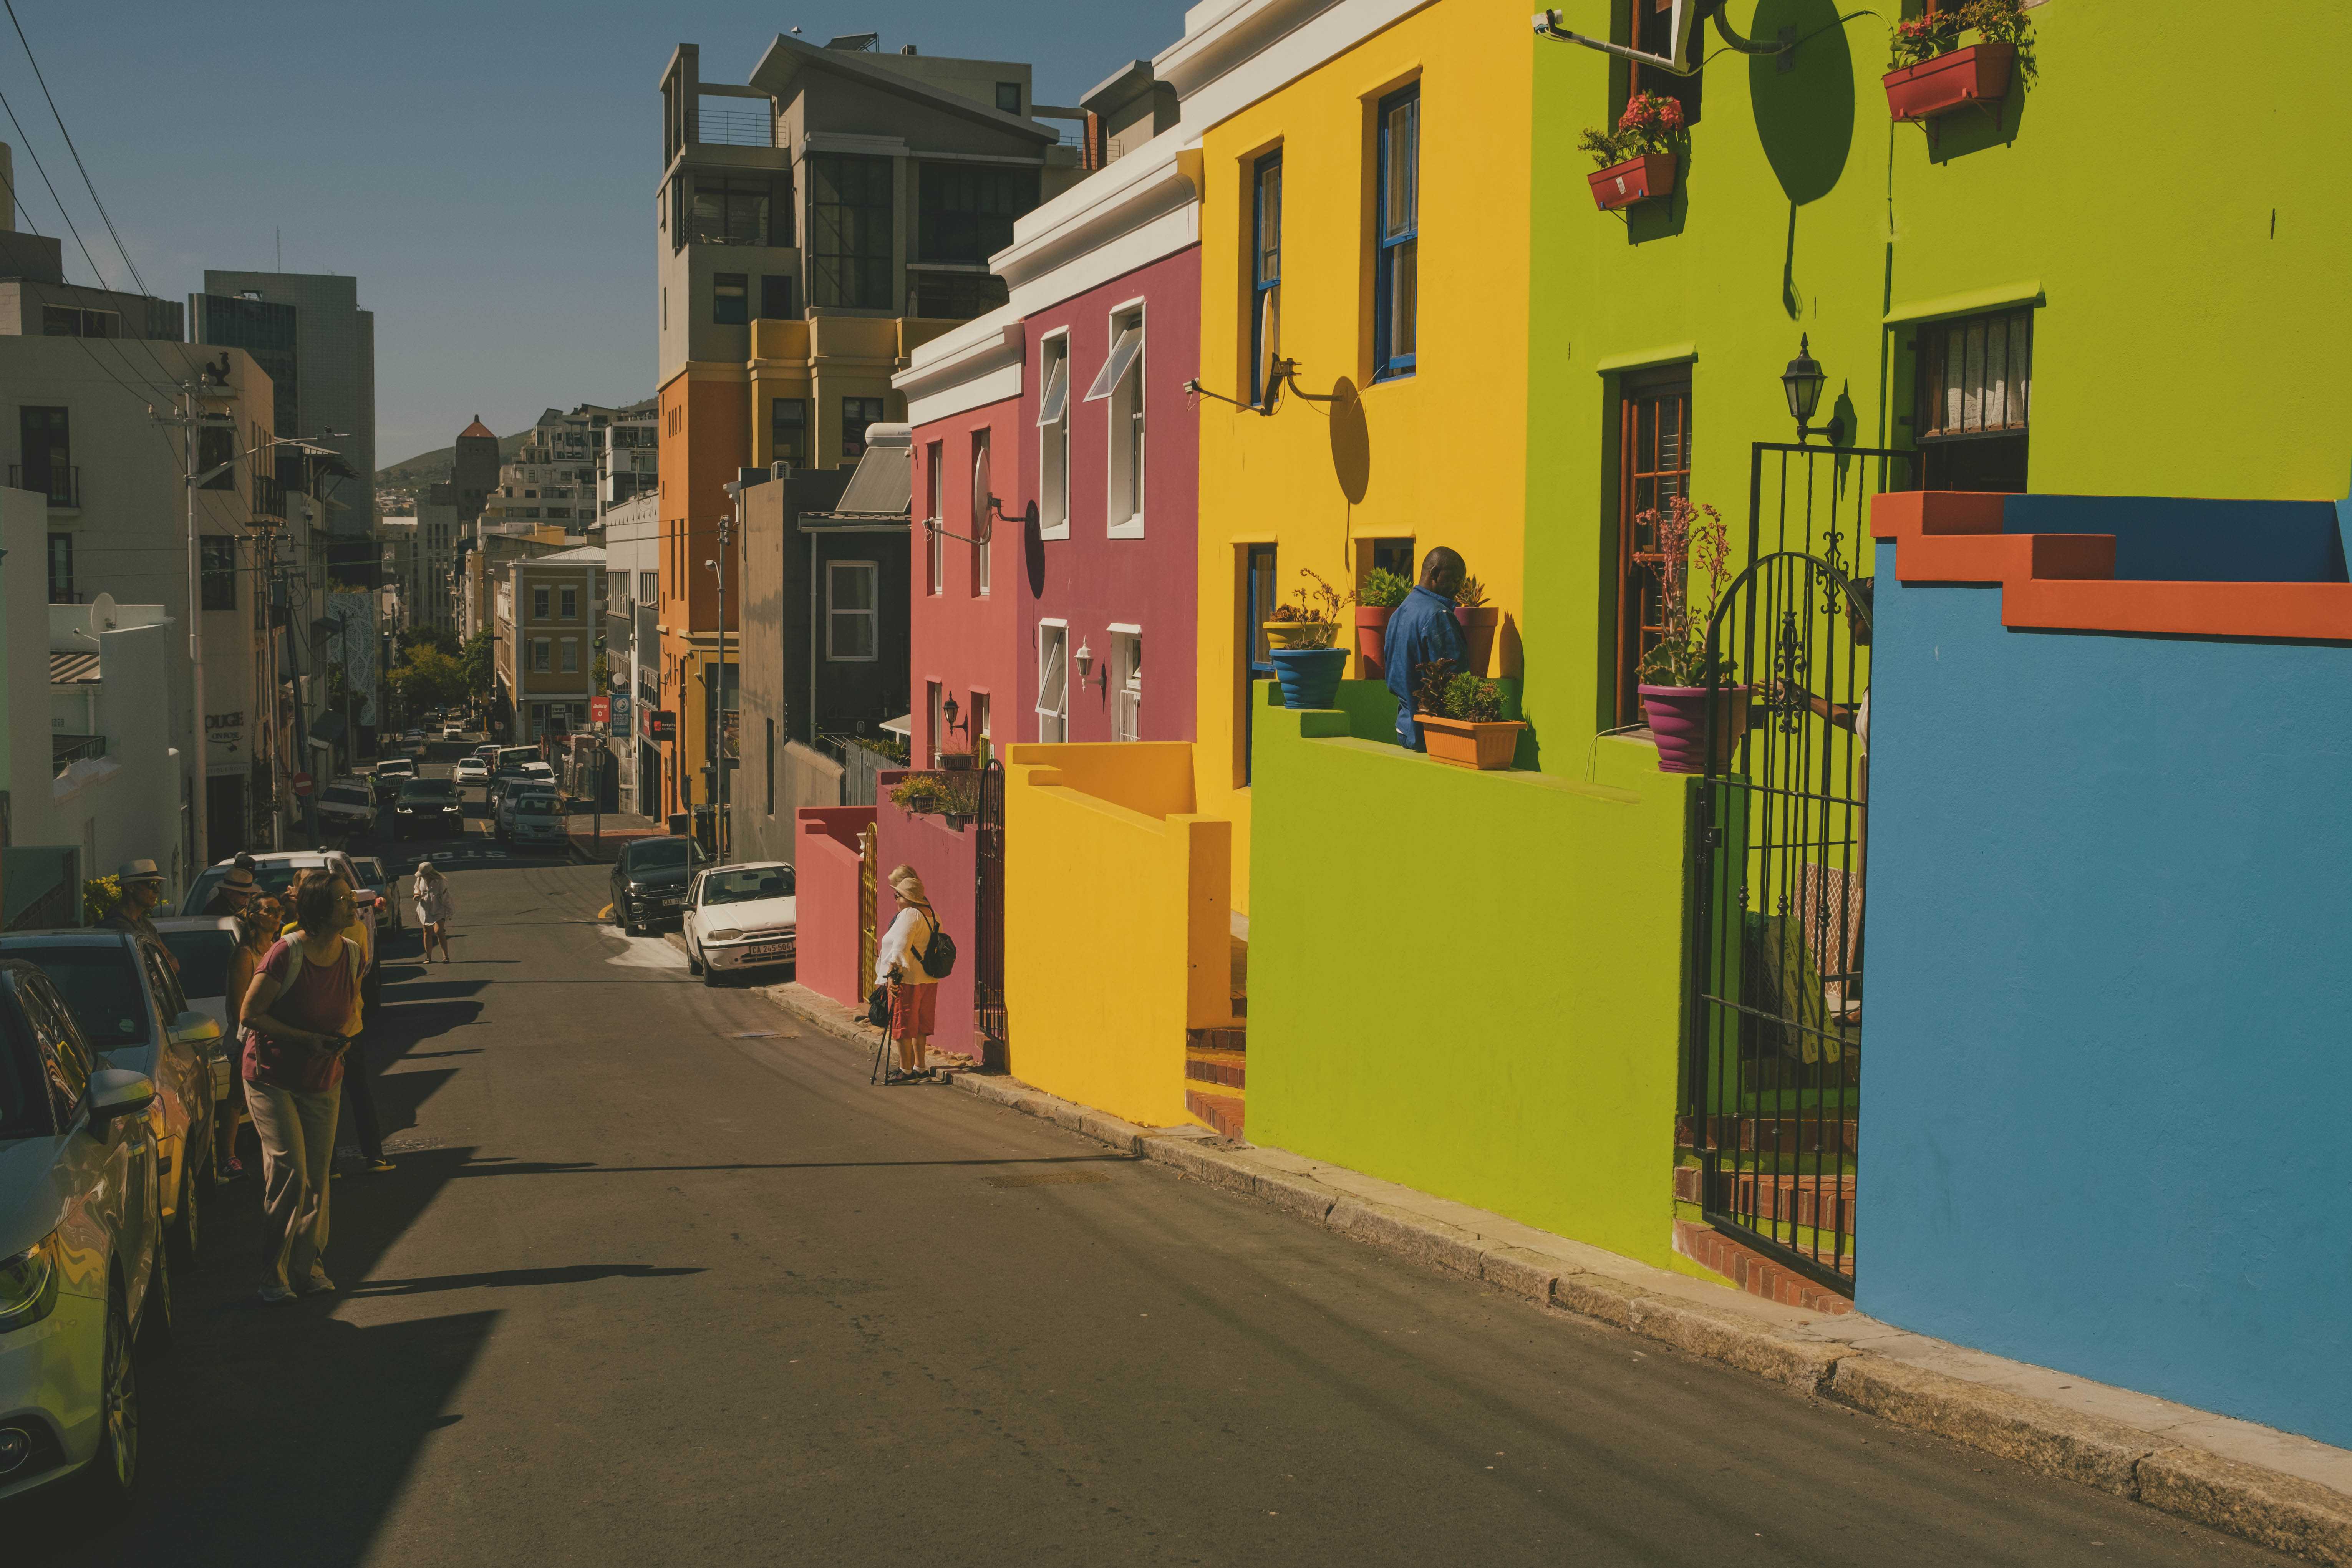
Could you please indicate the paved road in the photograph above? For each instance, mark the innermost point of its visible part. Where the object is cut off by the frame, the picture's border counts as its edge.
(660, 1280)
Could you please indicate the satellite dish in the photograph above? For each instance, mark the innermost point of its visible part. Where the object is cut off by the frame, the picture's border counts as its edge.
(1269, 344)
(983, 501)
(101, 613)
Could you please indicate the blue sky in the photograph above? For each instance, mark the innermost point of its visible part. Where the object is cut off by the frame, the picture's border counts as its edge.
(486, 169)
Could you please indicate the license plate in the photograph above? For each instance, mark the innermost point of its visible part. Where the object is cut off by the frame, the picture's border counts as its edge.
(771, 949)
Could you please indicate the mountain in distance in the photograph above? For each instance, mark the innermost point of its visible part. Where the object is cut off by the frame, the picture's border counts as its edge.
(432, 468)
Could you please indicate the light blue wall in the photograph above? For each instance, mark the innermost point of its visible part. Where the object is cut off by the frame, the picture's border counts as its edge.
(2108, 1069)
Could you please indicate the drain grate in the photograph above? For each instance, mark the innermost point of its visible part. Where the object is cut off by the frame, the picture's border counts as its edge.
(1050, 1179)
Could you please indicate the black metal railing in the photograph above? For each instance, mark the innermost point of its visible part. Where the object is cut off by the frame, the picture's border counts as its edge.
(61, 480)
(735, 127)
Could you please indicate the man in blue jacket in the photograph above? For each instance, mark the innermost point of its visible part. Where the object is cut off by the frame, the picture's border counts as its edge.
(1422, 631)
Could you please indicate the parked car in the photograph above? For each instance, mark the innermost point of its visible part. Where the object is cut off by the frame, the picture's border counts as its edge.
(376, 879)
(126, 1000)
(83, 1276)
(275, 871)
(649, 879)
(472, 771)
(507, 758)
(389, 775)
(348, 806)
(412, 737)
(453, 732)
(740, 916)
(538, 820)
(427, 807)
(516, 789)
(200, 946)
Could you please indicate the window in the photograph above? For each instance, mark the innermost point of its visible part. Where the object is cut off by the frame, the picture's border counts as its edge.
(1265, 273)
(852, 611)
(1653, 33)
(857, 414)
(649, 586)
(538, 655)
(1258, 596)
(788, 439)
(978, 717)
(1053, 681)
(935, 713)
(1396, 280)
(729, 308)
(61, 575)
(1008, 96)
(48, 453)
(981, 490)
(1120, 383)
(1653, 464)
(1126, 683)
(571, 656)
(216, 446)
(964, 212)
(571, 603)
(67, 321)
(1392, 555)
(850, 230)
(1053, 438)
(737, 209)
(539, 604)
(776, 297)
(217, 561)
(953, 296)
(1975, 391)
(934, 459)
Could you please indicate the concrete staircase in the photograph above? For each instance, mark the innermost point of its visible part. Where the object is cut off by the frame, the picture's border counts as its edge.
(1216, 1061)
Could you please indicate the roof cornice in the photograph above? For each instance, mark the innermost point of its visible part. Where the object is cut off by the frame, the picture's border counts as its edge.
(981, 346)
(788, 55)
(1161, 176)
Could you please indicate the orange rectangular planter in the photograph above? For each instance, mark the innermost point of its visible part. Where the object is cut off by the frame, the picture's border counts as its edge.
(1635, 180)
(1488, 745)
(1948, 83)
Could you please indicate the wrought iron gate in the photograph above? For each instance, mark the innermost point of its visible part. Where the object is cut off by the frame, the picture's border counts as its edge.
(868, 938)
(1773, 1077)
(988, 968)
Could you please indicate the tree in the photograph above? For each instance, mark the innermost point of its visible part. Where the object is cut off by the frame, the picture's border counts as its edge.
(440, 637)
(430, 679)
(479, 658)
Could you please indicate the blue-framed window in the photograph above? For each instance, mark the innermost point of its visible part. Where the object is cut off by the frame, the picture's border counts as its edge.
(1396, 234)
(1266, 270)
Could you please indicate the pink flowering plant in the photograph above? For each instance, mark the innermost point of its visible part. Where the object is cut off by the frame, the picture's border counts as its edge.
(1938, 32)
(1689, 542)
(1652, 123)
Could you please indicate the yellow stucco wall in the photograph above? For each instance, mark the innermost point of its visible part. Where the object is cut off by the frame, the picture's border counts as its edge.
(1438, 456)
(1115, 924)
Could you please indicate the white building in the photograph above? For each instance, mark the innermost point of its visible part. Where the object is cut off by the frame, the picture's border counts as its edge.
(632, 642)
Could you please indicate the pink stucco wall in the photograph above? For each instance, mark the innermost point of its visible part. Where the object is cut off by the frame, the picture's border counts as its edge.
(826, 884)
(947, 862)
(961, 639)
(1089, 579)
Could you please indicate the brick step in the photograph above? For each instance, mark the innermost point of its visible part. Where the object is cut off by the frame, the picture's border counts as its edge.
(1755, 1273)
(1785, 1197)
(1222, 1111)
(1790, 1134)
(1227, 1067)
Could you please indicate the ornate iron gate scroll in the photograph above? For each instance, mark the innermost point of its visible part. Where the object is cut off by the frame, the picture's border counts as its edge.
(1773, 1077)
(988, 973)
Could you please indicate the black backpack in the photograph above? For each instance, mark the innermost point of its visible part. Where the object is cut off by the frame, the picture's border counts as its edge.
(939, 954)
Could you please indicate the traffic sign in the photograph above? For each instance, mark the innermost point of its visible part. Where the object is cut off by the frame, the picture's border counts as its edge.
(600, 710)
(302, 783)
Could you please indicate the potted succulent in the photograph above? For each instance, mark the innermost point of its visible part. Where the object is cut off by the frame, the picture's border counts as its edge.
(1461, 718)
(1382, 592)
(1930, 74)
(1676, 674)
(1303, 638)
(1637, 159)
(1478, 620)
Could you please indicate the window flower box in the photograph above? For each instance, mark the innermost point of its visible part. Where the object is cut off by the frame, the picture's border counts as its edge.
(1640, 179)
(1977, 75)
(1485, 744)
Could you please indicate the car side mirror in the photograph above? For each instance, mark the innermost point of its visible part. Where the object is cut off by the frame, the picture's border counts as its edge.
(196, 1028)
(115, 1093)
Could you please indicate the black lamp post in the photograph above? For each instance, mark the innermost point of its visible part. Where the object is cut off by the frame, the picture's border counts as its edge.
(1804, 381)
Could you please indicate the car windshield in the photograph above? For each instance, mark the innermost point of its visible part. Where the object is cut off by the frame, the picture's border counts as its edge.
(660, 855)
(370, 869)
(203, 957)
(743, 886)
(397, 765)
(537, 805)
(270, 876)
(427, 789)
(100, 985)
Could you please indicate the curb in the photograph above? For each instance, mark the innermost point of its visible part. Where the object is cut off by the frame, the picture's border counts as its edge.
(2271, 1508)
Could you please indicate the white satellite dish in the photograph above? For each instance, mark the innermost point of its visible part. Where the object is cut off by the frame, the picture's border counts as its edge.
(1679, 28)
(101, 613)
(983, 500)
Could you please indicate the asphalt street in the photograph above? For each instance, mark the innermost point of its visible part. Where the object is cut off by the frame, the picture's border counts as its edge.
(660, 1278)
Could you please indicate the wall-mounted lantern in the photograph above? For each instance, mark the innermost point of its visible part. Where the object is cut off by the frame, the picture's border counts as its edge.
(1804, 381)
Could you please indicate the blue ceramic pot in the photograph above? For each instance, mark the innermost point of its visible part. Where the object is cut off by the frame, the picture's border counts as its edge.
(1310, 676)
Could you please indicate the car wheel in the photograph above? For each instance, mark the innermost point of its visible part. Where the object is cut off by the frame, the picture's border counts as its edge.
(711, 976)
(693, 964)
(187, 1238)
(158, 1329)
(114, 1470)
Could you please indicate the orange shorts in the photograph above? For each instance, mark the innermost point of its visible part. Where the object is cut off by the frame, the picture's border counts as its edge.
(913, 1010)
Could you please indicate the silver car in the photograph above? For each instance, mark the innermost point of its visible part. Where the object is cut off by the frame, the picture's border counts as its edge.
(82, 1271)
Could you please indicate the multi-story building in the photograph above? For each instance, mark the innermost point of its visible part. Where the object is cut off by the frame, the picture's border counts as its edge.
(399, 536)
(815, 225)
(633, 579)
(550, 615)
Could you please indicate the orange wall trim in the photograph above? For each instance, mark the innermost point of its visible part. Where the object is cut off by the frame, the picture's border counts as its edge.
(2064, 582)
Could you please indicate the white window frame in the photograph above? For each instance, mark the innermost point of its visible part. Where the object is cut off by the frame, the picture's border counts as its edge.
(873, 613)
(935, 715)
(1126, 682)
(978, 717)
(1126, 427)
(935, 462)
(1053, 678)
(1053, 437)
(983, 478)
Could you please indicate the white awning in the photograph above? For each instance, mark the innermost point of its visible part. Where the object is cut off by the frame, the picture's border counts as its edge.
(1115, 368)
(1057, 394)
(902, 726)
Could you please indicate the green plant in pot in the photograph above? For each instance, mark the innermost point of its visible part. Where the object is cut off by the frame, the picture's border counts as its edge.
(1376, 601)
(1305, 657)
(1461, 718)
(1931, 73)
(1479, 621)
(1678, 674)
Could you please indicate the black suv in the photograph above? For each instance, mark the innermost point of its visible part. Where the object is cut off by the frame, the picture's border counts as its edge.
(424, 806)
(649, 881)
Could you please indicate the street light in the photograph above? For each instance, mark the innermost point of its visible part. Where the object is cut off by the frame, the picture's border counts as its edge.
(1804, 381)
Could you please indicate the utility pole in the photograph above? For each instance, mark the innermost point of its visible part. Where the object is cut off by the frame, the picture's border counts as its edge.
(185, 415)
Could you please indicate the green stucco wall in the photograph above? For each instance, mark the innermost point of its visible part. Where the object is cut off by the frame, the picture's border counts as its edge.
(1470, 983)
(2188, 238)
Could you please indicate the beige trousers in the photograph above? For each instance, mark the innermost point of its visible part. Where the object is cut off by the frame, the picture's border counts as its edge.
(298, 1151)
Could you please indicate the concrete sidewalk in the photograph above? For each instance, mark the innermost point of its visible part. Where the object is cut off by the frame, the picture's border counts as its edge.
(2272, 1488)
(598, 842)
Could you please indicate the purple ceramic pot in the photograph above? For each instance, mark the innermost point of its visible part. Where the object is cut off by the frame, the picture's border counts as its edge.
(1677, 716)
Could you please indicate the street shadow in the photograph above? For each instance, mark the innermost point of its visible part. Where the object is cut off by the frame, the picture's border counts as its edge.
(502, 1278)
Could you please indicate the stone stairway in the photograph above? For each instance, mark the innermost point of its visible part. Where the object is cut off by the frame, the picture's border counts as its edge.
(1216, 1060)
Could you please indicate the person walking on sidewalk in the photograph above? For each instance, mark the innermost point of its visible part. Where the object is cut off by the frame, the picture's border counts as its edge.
(914, 991)
(434, 907)
(299, 1017)
(1422, 631)
(358, 1083)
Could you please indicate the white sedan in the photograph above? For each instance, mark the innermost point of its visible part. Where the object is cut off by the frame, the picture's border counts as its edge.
(740, 916)
(472, 771)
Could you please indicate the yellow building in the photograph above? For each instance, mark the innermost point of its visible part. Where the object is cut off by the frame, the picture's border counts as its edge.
(1404, 303)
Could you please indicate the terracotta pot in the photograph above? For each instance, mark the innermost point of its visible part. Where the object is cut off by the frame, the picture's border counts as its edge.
(1478, 630)
(1948, 83)
(1488, 745)
(1635, 180)
(1296, 634)
(1371, 635)
(1677, 716)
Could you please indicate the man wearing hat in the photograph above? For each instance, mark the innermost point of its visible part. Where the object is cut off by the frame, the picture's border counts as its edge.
(235, 889)
(142, 890)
